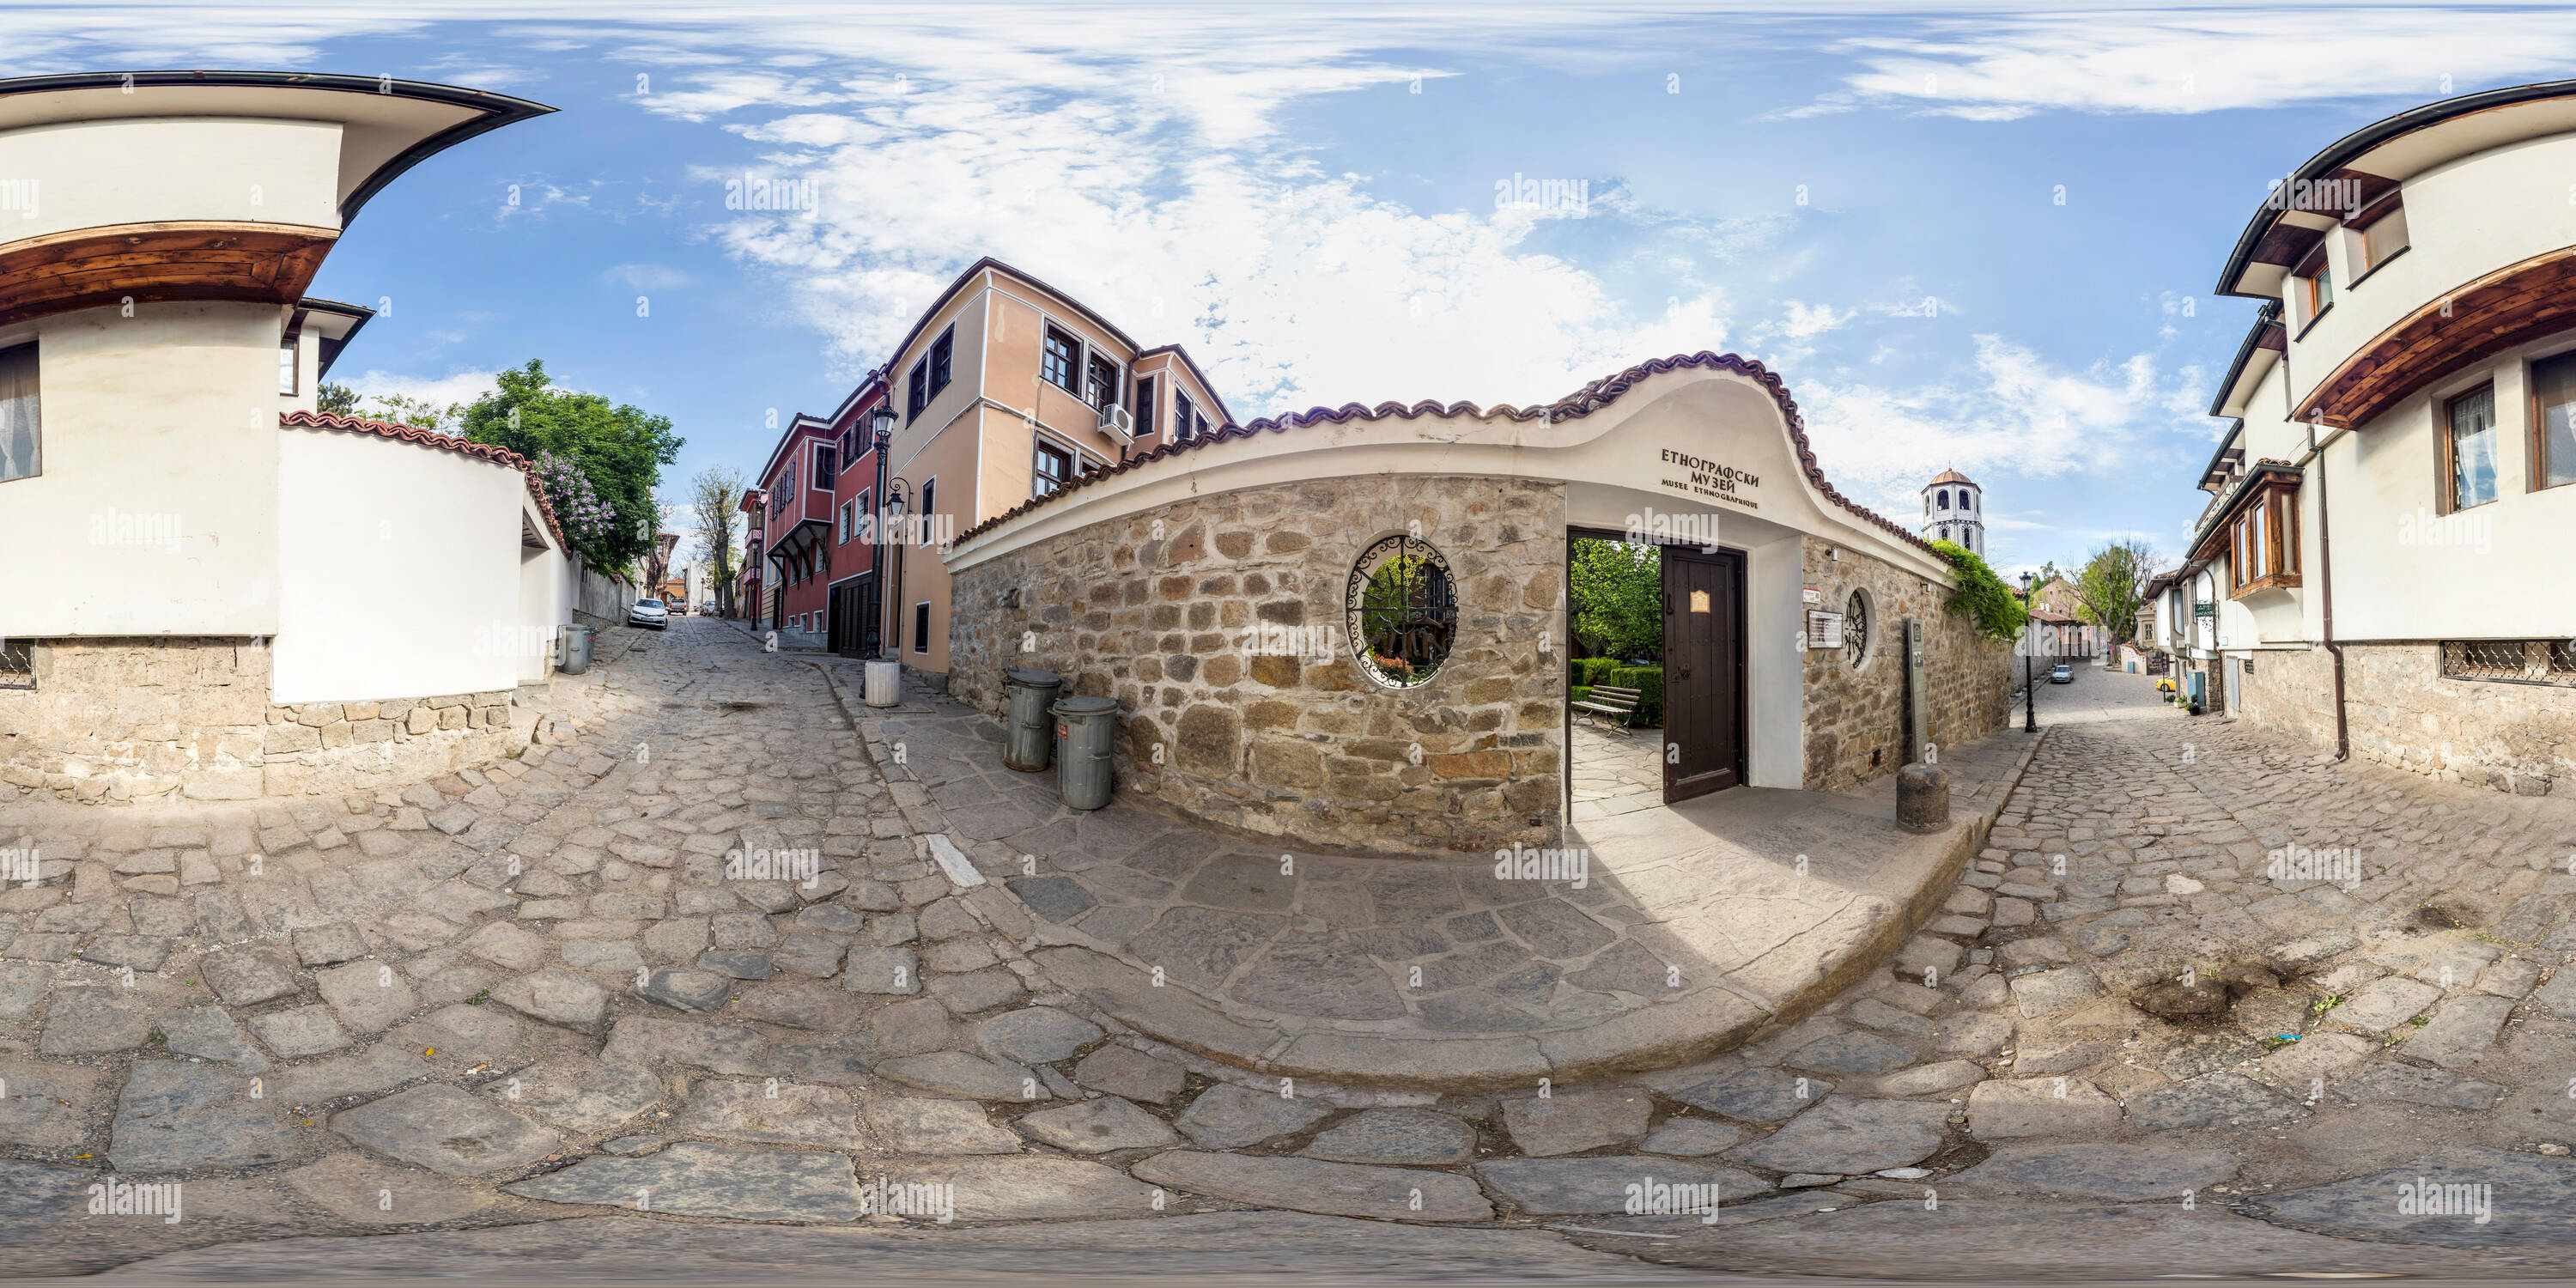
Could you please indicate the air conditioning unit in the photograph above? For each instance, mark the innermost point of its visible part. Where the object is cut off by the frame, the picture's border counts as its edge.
(1119, 421)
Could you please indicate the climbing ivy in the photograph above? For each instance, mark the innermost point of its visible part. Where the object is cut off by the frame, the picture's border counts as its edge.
(1982, 597)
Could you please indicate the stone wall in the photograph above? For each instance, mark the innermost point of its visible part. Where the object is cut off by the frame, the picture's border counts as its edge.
(1855, 716)
(127, 720)
(2403, 712)
(1218, 625)
(2289, 692)
(2519, 738)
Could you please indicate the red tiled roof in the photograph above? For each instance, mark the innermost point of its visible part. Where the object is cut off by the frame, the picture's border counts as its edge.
(1582, 402)
(444, 443)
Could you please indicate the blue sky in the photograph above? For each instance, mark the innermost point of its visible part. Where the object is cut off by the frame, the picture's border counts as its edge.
(1863, 196)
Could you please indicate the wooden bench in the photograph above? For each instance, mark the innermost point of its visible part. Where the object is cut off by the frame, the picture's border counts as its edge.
(1610, 700)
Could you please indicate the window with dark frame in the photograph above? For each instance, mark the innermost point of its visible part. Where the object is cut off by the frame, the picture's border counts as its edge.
(21, 443)
(916, 390)
(929, 506)
(1145, 407)
(1054, 469)
(2553, 421)
(1182, 413)
(942, 350)
(1060, 353)
(2469, 449)
(826, 467)
(287, 368)
(921, 627)
(1104, 383)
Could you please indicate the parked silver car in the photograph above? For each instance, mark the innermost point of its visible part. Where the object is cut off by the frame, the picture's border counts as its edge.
(2062, 673)
(649, 612)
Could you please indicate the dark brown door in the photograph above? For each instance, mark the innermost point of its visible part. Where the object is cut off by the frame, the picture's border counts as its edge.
(1703, 672)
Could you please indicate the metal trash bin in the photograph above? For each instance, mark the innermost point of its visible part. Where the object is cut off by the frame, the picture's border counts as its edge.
(1085, 730)
(884, 682)
(576, 648)
(1025, 739)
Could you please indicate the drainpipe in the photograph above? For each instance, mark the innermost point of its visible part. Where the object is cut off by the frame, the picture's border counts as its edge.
(2325, 593)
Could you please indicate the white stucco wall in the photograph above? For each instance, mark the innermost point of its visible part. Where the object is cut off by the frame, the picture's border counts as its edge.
(156, 512)
(170, 169)
(400, 571)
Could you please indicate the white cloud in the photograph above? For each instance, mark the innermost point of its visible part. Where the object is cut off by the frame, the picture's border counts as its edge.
(441, 391)
(2019, 414)
(2002, 65)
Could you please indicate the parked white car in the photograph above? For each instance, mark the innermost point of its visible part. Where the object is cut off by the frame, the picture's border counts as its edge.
(649, 612)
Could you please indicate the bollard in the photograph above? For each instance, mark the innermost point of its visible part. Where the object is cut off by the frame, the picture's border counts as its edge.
(1923, 798)
(884, 682)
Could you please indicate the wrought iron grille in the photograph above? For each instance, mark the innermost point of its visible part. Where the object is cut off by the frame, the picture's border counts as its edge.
(1855, 629)
(1403, 608)
(2525, 661)
(17, 664)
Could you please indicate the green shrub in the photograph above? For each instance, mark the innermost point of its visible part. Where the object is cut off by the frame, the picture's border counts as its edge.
(1648, 681)
(1578, 692)
(1589, 670)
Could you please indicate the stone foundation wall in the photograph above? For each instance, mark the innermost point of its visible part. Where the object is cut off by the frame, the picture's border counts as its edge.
(1218, 625)
(2519, 738)
(127, 720)
(1855, 716)
(2289, 692)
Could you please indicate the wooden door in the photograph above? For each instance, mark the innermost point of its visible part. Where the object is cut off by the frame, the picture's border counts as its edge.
(1704, 743)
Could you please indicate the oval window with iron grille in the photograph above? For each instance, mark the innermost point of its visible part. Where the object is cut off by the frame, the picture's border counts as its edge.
(1856, 629)
(1403, 609)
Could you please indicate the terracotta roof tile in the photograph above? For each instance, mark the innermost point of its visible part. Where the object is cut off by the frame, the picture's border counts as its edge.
(1582, 402)
(444, 443)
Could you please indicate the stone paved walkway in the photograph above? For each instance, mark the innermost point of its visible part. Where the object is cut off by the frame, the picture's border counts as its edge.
(516, 997)
(1655, 936)
(1615, 771)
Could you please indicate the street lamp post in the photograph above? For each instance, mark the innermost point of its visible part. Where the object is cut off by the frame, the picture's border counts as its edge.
(881, 433)
(898, 497)
(2029, 686)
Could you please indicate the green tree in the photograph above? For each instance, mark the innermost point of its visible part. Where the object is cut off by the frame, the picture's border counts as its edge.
(335, 400)
(1618, 598)
(2112, 586)
(715, 502)
(419, 413)
(622, 449)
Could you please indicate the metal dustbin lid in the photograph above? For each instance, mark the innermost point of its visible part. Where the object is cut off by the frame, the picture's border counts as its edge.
(1034, 677)
(1085, 707)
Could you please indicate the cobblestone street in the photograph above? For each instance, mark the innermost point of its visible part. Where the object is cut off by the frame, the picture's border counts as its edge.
(2201, 1005)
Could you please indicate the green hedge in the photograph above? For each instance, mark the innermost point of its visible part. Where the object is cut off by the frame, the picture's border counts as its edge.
(1589, 670)
(1648, 681)
(1578, 692)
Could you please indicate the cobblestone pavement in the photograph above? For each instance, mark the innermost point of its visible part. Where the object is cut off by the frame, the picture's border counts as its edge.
(537, 993)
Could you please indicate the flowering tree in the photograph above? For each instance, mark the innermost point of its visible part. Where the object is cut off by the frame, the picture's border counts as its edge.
(587, 520)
